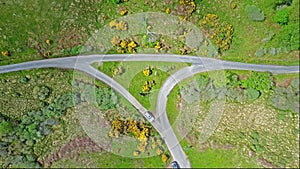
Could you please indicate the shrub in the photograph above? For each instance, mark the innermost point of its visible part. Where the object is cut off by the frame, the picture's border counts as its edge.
(73, 51)
(281, 17)
(24, 79)
(118, 1)
(41, 92)
(289, 37)
(252, 94)
(262, 82)
(5, 127)
(283, 2)
(164, 158)
(272, 51)
(202, 82)
(261, 52)
(232, 79)
(221, 33)
(279, 101)
(254, 13)
(286, 98)
(106, 98)
(235, 95)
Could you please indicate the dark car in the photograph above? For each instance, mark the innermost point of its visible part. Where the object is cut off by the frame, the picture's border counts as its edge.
(175, 164)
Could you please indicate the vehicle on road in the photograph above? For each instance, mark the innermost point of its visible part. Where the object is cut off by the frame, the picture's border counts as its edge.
(149, 116)
(175, 164)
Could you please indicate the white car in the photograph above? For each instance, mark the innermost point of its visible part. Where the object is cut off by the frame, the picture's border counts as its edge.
(149, 116)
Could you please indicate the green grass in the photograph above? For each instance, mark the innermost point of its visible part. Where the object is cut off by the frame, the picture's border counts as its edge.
(248, 35)
(281, 77)
(108, 160)
(136, 87)
(235, 128)
(69, 24)
(217, 158)
(133, 78)
(172, 110)
(16, 98)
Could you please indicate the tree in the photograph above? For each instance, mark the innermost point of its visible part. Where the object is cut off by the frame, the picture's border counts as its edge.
(281, 17)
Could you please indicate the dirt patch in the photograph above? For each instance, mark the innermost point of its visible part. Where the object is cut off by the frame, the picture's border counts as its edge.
(168, 2)
(193, 141)
(71, 37)
(265, 163)
(179, 102)
(285, 83)
(72, 150)
(181, 10)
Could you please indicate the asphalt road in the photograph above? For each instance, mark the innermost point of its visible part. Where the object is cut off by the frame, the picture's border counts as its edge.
(161, 123)
(167, 87)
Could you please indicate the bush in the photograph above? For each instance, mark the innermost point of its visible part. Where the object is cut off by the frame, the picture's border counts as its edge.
(281, 17)
(279, 101)
(190, 92)
(18, 140)
(5, 127)
(202, 82)
(286, 98)
(252, 94)
(261, 52)
(254, 13)
(261, 82)
(232, 79)
(289, 37)
(73, 51)
(106, 98)
(283, 2)
(236, 95)
(41, 92)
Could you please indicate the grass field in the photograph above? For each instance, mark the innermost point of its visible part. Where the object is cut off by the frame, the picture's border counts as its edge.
(69, 24)
(16, 89)
(248, 128)
(249, 35)
(217, 158)
(257, 134)
(133, 78)
(107, 160)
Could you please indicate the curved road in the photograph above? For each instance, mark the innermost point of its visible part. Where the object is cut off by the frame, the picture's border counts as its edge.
(162, 98)
(161, 124)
